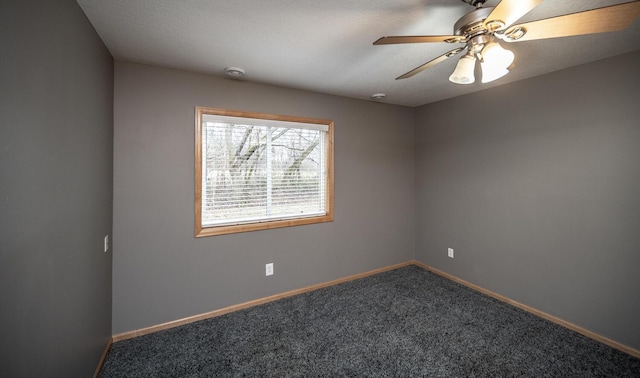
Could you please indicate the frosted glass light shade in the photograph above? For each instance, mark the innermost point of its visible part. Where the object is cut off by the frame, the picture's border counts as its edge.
(463, 74)
(491, 72)
(495, 55)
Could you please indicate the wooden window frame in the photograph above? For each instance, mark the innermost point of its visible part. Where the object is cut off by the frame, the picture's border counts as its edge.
(201, 231)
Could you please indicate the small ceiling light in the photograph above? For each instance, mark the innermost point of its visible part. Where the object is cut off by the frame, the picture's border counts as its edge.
(463, 73)
(234, 72)
(378, 96)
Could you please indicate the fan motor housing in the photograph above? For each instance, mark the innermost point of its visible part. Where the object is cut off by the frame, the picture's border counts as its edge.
(472, 23)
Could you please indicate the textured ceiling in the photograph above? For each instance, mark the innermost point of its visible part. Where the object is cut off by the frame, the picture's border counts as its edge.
(326, 46)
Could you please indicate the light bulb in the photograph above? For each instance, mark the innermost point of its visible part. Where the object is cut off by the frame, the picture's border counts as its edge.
(463, 74)
(491, 72)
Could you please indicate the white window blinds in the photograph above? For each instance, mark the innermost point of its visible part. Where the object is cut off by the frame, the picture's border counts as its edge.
(257, 170)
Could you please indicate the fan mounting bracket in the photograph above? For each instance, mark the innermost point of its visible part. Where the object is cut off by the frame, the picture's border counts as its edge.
(495, 25)
(513, 34)
(454, 52)
(460, 39)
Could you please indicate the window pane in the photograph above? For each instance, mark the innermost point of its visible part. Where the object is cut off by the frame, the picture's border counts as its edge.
(258, 171)
(255, 172)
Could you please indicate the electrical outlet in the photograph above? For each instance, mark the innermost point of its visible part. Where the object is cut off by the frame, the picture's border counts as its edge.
(106, 243)
(269, 269)
(450, 252)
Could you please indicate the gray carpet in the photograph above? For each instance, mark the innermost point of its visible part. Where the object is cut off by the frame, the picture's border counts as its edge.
(403, 323)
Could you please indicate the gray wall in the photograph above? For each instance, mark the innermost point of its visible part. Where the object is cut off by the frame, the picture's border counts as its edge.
(536, 185)
(56, 119)
(162, 273)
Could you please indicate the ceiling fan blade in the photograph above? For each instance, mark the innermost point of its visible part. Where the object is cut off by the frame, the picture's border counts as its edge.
(431, 63)
(509, 11)
(600, 20)
(420, 39)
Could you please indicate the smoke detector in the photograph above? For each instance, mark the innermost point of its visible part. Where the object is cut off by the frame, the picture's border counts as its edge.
(234, 72)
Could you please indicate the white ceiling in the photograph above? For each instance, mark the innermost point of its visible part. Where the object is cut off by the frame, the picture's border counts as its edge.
(326, 45)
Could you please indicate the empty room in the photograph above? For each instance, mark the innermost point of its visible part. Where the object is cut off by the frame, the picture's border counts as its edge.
(408, 188)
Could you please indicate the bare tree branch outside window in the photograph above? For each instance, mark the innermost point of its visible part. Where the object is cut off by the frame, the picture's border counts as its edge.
(253, 171)
(258, 171)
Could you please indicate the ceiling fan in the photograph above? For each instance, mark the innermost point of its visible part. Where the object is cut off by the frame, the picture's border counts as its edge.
(481, 30)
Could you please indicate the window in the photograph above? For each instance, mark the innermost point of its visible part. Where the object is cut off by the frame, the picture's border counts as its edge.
(258, 171)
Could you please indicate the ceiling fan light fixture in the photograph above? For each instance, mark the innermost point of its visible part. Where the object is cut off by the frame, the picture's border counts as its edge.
(464, 72)
(496, 56)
